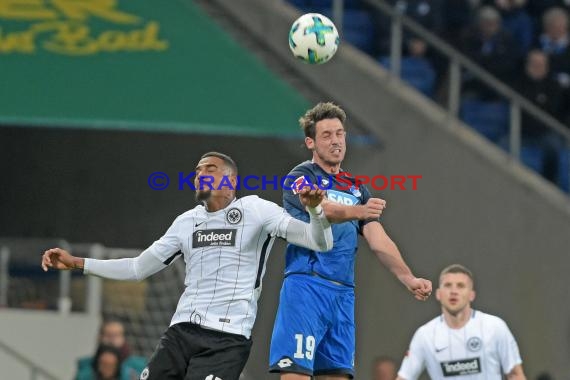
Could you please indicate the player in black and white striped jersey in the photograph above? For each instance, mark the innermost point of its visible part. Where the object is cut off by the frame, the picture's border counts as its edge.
(462, 343)
(225, 243)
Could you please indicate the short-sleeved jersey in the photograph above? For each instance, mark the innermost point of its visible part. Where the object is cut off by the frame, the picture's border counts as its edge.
(225, 254)
(483, 349)
(337, 264)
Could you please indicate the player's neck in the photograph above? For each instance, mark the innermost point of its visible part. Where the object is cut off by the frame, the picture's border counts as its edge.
(458, 320)
(218, 203)
(327, 167)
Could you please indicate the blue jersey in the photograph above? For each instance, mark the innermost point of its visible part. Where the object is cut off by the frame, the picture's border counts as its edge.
(337, 264)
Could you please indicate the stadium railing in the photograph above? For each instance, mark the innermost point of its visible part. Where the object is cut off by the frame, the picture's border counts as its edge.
(457, 62)
(36, 372)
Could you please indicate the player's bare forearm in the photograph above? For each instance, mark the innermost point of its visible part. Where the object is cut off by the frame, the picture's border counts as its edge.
(516, 373)
(389, 255)
(338, 213)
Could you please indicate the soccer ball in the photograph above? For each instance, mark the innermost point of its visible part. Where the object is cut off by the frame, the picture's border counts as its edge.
(313, 38)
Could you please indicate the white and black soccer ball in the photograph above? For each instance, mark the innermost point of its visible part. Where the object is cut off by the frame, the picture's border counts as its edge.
(313, 38)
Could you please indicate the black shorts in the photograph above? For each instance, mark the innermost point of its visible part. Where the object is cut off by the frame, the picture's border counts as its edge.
(189, 352)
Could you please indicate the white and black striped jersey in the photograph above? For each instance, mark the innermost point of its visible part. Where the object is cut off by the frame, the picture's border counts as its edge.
(225, 254)
(483, 349)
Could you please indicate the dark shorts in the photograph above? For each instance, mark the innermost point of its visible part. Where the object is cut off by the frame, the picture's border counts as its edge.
(189, 352)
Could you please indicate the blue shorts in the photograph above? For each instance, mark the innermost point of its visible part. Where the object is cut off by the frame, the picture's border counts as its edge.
(314, 328)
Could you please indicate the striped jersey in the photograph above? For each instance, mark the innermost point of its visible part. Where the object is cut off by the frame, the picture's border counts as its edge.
(225, 254)
(483, 349)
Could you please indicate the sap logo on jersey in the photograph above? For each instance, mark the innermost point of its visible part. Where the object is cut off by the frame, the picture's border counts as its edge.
(214, 238)
(461, 367)
(343, 198)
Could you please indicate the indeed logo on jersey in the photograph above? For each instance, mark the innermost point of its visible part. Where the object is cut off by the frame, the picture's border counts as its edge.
(461, 367)
(343, 198)
(214, 238)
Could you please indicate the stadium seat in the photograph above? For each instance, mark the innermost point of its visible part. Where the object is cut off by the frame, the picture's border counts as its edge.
(564, 170)
(491, 119)
(417, 72)
(358, 29)
(301, 4)
(532, 157)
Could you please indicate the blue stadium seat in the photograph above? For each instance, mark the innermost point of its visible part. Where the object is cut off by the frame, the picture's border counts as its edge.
(532, 157)
(418, 72)
(358, 29)
(491, 119)
(564, 167)
(301, 4)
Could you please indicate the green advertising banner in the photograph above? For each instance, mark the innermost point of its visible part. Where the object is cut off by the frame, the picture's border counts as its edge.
(134, 64)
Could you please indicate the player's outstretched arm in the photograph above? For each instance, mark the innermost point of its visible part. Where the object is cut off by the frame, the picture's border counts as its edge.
(389, 255)
(136, 268)
(338, 213)
(516, 373)
(317, 234)
(58, 258)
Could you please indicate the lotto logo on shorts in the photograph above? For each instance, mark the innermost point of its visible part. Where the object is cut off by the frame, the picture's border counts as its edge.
(461, 367)
(214, 238)
(284, 363)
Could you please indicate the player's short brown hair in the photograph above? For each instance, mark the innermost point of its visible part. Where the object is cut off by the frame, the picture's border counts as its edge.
(320, 112)
(457, 268)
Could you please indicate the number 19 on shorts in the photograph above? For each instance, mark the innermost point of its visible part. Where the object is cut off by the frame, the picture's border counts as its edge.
(305, 347)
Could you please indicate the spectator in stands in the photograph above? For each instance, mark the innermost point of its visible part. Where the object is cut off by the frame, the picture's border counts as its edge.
(427, 13)
(112, 333)
(554, 41)
(106, 365)
(542, 90)
(516, 21)
(536, 8)
(384, 368)
(493, 48)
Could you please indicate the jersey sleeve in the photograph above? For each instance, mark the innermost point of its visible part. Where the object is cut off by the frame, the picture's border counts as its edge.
(508, 349)
(274, 218)
(169, 246)
(414, 360)
(365, 197)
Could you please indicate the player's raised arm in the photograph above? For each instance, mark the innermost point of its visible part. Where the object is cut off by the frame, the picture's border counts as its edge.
(338, 213)
(516, 373)
(389, 255)
(317, 234)
(136, 268)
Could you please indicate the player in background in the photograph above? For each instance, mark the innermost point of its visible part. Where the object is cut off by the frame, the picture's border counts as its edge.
(316, 337)
(224, 243)
(462, 341)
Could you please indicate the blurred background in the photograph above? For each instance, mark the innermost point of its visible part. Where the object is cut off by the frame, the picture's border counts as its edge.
(96, 95)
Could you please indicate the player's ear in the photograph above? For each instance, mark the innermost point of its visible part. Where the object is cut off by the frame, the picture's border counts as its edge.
(309, 143)
(472, 296)
(437, 295)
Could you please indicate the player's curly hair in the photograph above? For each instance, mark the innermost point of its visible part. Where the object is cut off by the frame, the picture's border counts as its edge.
(320, 112)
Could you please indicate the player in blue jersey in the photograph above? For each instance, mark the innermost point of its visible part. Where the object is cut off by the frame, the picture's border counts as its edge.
(314, 332)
